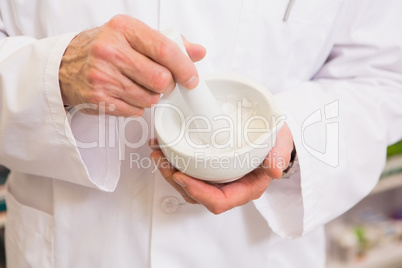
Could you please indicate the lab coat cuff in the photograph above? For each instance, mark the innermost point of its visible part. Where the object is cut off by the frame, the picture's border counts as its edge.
(101, 171)
(96, 138)
(287, 203)
(282, 203)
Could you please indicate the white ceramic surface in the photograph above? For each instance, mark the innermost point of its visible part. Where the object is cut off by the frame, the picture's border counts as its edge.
(240, 156)
(200, 92)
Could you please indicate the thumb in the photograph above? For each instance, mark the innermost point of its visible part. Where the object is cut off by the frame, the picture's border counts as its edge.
(278, 158)
(196, 52)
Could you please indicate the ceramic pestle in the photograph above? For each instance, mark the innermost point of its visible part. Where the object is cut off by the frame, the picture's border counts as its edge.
(200, 101)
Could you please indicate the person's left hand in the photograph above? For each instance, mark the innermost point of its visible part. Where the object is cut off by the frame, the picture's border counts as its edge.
(218, 198)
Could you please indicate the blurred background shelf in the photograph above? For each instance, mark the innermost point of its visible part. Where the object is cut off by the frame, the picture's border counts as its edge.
(389, 256)
(389, 183)
(3, 177)
(370, 234)
(3, 216)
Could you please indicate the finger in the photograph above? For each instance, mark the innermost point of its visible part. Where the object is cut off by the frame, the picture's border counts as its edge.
(196, 52)
(136, 95)
(167, 170)
(275, 162)
(255, 183)
(110, 106)
(220, 199)
(279, 157)
(119, 56)
(120, 87)
(143, 71)
(111, 84)
(156, 77)
(205, 194)
(161, 49)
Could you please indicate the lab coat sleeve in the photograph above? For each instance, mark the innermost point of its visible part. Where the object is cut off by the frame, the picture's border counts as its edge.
(35, 137)
(342, 121)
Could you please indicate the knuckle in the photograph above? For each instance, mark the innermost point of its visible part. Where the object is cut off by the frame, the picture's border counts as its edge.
(216, 210)
(104, 50)
(94, 81)
(117, 21)
(161, 81)
(276, 173)
(98, 49)
(164, 49)
(93, 76)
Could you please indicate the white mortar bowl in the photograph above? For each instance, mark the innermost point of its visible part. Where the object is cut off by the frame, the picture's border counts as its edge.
(218, 165)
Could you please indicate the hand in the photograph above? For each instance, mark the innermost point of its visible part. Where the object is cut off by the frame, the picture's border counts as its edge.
(219, 198)
(126, 65)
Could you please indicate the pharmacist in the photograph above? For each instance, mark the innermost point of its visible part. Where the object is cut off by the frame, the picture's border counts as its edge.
(76, 200)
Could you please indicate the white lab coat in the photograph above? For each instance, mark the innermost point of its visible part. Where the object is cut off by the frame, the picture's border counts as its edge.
(335, 67)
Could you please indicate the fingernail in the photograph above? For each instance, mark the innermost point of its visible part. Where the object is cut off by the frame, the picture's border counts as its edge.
(179, 181)
(192, 82)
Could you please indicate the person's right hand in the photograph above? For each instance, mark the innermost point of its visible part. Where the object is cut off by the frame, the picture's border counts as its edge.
(126, 65)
